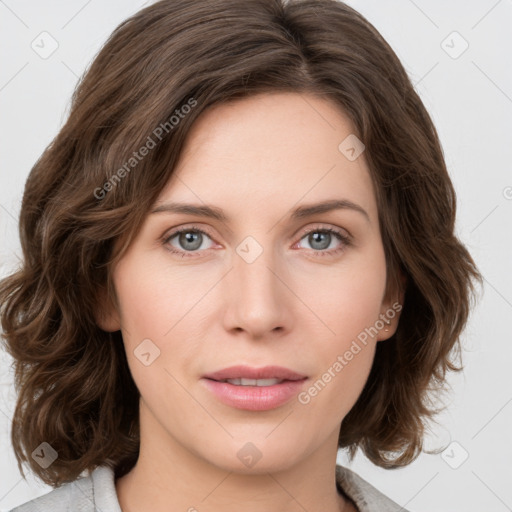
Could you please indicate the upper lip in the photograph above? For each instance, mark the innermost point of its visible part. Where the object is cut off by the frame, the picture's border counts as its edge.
(247, 372)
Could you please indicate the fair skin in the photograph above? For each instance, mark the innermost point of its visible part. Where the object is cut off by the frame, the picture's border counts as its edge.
(299, 304)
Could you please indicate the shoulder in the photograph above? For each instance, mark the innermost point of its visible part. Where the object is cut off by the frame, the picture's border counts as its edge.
(365, 496)
(96, 491)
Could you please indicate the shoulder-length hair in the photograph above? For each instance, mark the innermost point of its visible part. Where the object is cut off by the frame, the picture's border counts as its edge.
(91, 189)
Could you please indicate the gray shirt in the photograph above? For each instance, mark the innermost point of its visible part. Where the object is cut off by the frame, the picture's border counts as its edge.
(97, 493)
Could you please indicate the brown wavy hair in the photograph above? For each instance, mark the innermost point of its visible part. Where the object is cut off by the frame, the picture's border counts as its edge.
(74, 387)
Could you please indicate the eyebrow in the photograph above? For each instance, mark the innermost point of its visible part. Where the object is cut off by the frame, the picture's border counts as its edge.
(298, 213)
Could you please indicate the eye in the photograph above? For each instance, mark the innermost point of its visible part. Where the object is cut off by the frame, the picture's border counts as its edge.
(188, 239)
(321, 238)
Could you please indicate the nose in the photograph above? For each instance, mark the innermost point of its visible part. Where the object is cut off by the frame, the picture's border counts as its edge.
(258, 300)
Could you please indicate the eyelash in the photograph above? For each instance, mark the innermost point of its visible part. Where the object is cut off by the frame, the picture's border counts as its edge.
(194, 229)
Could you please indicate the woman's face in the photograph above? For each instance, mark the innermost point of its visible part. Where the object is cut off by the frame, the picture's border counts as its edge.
(262, 286)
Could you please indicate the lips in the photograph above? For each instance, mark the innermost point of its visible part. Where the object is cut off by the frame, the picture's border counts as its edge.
(246, 372)
(254, 389)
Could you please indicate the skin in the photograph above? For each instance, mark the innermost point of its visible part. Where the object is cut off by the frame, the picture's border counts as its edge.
(296, 306)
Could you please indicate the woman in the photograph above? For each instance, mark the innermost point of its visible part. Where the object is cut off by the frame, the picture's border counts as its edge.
(239, 257)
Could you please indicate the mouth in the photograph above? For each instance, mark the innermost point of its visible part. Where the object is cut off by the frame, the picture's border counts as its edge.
(254, 389)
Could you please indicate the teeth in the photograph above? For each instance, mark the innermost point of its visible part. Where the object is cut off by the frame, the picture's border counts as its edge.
(254, 382)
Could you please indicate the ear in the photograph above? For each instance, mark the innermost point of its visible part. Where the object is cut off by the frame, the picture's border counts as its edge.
(391, 307)
(106, 313)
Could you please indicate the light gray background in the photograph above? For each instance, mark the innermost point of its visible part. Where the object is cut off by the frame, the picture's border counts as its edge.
(470, 99)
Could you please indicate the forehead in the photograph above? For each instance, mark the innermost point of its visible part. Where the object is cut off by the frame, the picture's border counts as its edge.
(270, 151)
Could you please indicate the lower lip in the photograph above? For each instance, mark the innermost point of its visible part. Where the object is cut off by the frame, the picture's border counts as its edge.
(255, 398)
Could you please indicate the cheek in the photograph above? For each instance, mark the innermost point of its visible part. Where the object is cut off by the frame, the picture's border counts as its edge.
(344, 358)
(155, 297)
(347, 298)
(158, 303)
